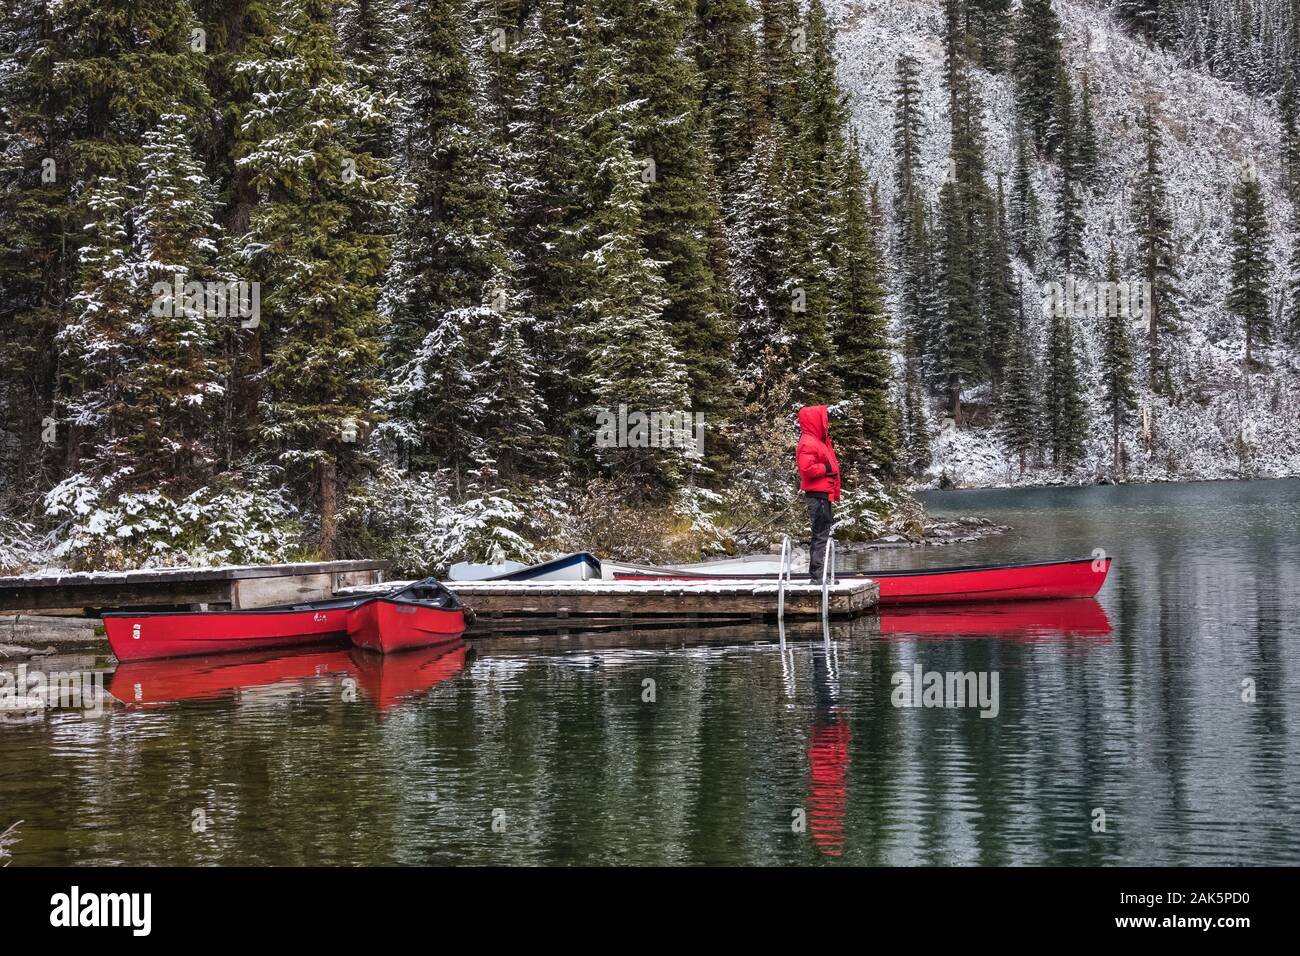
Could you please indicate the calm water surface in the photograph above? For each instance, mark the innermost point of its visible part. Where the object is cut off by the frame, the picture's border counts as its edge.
(546, 751)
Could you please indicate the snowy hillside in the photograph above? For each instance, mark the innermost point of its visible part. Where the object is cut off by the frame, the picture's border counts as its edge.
(1208, 428)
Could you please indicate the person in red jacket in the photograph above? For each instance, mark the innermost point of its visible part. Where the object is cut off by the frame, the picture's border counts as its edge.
(819, 480)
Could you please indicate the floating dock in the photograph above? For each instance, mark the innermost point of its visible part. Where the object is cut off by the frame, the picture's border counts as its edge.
(678, 601)
(216, 589)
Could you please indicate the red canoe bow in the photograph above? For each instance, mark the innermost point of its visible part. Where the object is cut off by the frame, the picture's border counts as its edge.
(389, 626)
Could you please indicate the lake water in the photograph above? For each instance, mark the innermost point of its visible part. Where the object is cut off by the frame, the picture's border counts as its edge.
(1166, 711)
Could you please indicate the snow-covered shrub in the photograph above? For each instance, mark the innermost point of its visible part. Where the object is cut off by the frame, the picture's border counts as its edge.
(870, 510)
(613, 520)
(238, 523)
(18, 544)
(416, 521)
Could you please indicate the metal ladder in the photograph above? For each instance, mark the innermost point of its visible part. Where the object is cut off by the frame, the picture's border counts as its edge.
(784, 577)
(828, 579)
(787, 553)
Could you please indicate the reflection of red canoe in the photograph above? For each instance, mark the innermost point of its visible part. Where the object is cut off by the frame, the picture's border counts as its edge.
(142, 635)
(1003, 582)
(1028, 620)
(385, 681)
(389, 680)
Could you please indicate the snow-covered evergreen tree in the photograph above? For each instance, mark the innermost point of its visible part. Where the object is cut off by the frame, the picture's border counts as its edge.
(316, 243)
(1248, 293)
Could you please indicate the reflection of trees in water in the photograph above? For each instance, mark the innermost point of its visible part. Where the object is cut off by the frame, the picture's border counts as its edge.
(1149, 727)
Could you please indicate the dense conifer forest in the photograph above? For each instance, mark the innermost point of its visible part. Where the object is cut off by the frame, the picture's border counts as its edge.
(288, 277)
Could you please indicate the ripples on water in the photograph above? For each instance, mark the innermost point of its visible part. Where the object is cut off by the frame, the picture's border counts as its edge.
(1131, 705)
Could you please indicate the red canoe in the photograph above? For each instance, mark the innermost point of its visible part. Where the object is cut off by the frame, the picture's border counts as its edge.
(995, 582)
(143, 635)
(424, 614)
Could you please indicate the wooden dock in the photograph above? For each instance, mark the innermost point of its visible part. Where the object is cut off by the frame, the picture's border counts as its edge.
(685, 601)
(216, 589)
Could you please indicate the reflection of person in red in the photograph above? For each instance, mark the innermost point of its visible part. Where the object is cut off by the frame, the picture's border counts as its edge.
(828, 764)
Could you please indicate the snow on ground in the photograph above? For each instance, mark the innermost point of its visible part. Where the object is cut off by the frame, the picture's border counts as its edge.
(1209, 129)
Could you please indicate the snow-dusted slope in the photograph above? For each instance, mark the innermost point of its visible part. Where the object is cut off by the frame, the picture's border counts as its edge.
(1209, 129)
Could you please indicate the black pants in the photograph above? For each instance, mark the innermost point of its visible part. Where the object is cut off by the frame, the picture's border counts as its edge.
(819, 515)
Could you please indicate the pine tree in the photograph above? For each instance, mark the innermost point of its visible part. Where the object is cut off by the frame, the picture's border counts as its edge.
(958, 355)
(511, 411)
(632, 359)
(780, 38)
(1289, 116)
(861, 331)
(96, 342)
(726, 52)
(1023, 224)
(1018, 411)
(916, 431)
(800, 295)
(174, 383)
(920, 291)
(998, 292)
(451, 277)
(1293, 286)
(908, 130)
(988, 25)
(1118, 391)
(1086, 153)
(1064, 412)
(1063, 140)
(908, 204)
(1154, 229)
(122, 75)
(39, 235)
(1248, 294)
(1037, 63)
(548, 210)
(366, 40)
(314, 239)
(667, 132)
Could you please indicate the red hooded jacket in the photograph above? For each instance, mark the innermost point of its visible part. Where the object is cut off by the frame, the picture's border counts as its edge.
(819, 470)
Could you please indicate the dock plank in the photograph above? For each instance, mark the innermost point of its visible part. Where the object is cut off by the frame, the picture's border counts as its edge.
(607, 598)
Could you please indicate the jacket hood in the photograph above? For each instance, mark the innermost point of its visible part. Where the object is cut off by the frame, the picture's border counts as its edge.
(815, 420)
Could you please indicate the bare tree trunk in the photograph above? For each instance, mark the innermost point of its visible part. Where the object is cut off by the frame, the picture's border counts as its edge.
(1153, 339)
(327, 475)
(1119, 464)
(1245, 371)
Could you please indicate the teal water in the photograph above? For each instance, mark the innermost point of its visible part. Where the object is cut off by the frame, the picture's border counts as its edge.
(704, 747)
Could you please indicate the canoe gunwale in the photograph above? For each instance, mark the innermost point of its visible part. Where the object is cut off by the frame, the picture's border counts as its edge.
(874, 575)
